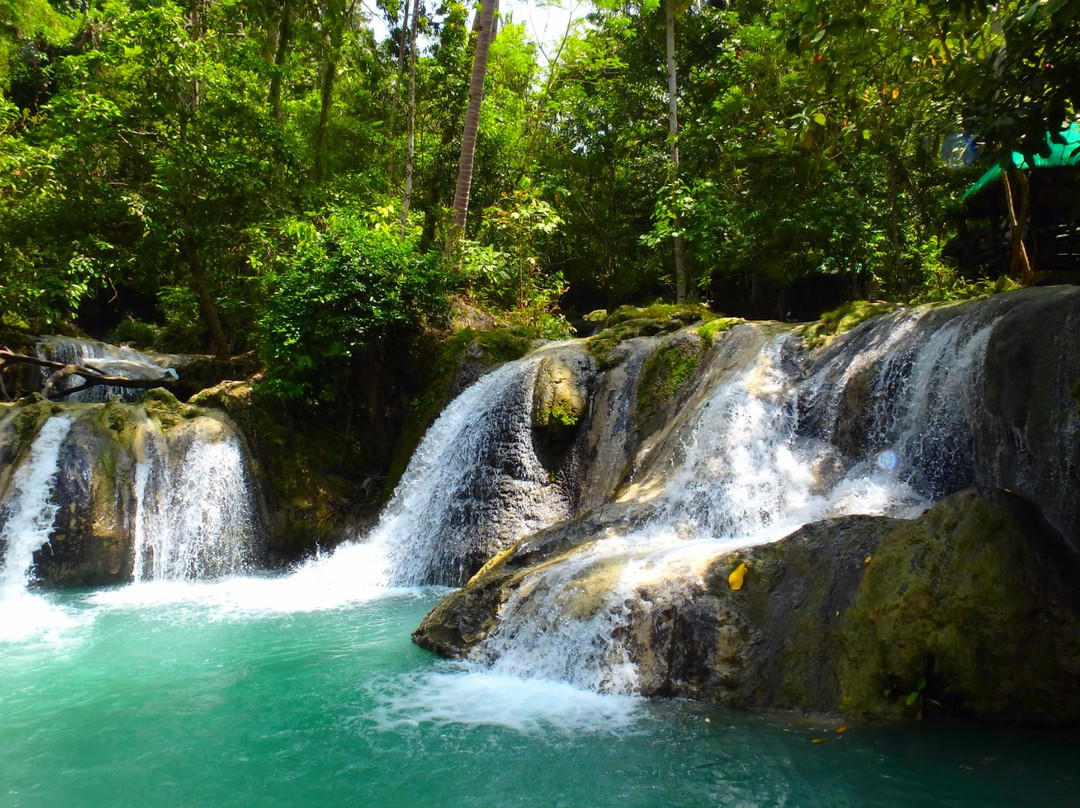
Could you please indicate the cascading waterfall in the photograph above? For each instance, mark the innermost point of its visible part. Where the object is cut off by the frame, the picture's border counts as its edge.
(473, 486)
(196, 509)
(29, 510)
(921, 385)
(110, 360)
(756, 463)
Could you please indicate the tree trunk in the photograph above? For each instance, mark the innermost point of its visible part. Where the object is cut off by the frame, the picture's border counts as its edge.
(334, 34)
(410, 124)
(284, 40)
(472, 119)
(1019, 260)
(673, 137)
(206, 301)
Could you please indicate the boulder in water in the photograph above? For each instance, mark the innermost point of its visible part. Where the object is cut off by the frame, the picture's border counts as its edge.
(971, 609)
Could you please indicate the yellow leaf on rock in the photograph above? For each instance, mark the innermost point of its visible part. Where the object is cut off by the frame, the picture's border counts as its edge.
(735, 580)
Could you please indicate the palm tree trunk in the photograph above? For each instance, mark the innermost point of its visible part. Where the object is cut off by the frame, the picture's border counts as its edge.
(472, 119)
(673, 137)
(410, 123)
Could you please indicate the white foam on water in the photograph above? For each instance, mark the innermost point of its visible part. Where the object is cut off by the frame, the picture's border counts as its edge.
(25, 617)
(318, 585)
(473, 697)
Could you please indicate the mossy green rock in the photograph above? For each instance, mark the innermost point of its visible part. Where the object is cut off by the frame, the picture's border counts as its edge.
(628, 322)
(977, 601)
(560, 401)
(664, 377)
(971, 610)
(844, 318)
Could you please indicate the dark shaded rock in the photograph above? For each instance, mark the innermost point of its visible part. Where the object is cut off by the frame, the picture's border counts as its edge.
(1029, 437)
(92, 541)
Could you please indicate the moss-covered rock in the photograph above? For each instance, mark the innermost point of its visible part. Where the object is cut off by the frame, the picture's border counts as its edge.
(467, 616)
(164, 408)
(664, 376)
(971, 610)
(560, 401)
(844, 318)
(628, 322)
(711, 329)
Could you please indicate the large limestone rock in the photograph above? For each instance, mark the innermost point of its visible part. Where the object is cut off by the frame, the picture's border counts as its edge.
(972, 609)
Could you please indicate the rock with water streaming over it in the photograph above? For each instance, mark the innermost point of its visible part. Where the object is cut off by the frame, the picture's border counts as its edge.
(971, 609)
(841, 448)
(156, 489)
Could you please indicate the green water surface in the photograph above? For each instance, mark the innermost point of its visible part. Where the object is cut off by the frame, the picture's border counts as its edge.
(177, 701)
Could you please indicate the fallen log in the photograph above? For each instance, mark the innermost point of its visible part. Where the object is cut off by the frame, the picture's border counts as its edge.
(91, 376)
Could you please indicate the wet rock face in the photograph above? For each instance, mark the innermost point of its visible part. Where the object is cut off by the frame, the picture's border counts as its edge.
(972, 609)
(92, 542)
(560, 402)
(1029, 439)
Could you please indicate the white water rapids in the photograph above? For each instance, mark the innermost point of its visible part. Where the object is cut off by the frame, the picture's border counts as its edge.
(28, 515)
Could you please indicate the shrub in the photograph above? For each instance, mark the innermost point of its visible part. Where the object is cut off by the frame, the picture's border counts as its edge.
(336, 292)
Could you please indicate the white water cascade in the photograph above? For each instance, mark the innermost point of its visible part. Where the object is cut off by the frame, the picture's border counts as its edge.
(474, 486)
(754, 462)
(29, 510)
(196, 512)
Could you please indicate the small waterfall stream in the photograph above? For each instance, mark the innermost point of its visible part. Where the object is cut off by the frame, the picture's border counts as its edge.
(196, 509)
(111, 360)
(29, 511)
(473, 487)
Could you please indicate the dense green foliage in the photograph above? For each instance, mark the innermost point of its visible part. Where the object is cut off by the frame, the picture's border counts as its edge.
(337, 291)
(208, 173)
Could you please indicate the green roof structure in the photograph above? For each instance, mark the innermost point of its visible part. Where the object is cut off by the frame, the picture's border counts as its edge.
(1060, 154)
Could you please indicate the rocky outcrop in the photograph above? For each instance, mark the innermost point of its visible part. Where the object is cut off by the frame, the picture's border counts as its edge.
(560, 402)
(97, 486)
(1029, 438)
(972, 609)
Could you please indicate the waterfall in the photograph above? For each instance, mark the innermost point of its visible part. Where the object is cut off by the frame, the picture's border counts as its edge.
(111, 360)
(29, 511)
(474, 485)
(756, 460)
(196, 512)
(921, 379)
